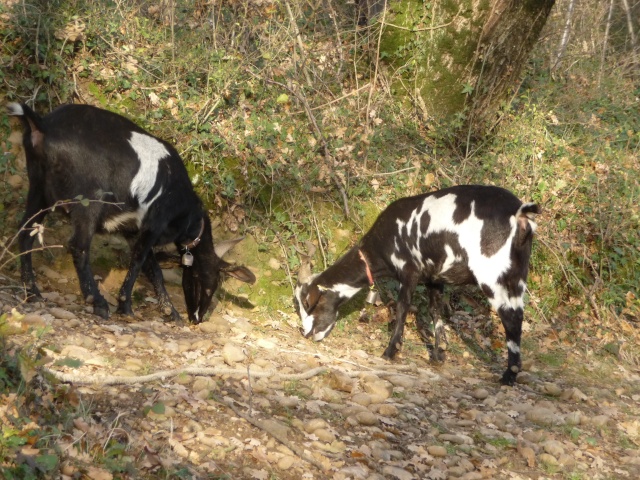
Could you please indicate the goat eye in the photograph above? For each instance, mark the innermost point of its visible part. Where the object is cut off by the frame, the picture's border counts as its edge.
(305, 305)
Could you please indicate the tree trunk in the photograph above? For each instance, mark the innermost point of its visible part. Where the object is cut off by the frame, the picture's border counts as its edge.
(452, 57)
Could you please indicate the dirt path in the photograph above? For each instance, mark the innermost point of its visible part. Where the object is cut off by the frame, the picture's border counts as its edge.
(245, 396)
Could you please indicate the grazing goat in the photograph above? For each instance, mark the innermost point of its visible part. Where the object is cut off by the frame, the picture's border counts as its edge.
(130, 182)
(468, 234)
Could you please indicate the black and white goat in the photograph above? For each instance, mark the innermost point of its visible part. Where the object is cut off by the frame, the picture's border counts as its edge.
(468, 234)
(136, 185)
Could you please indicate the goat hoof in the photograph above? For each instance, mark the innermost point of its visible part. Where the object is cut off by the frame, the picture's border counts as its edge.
(436, 355)
(101, 311)
(508, 378)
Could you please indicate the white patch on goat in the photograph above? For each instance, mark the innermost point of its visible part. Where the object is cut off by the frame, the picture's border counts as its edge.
(114, 223)
(15, 109)
(307, 320)
(150, 151)
(513, 346)
(397, 262)
(501, 298)
(345, 290)
(320, 335)
(486, 269)
(451, 258)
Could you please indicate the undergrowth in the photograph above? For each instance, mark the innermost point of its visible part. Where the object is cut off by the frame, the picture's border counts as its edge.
(285, 139)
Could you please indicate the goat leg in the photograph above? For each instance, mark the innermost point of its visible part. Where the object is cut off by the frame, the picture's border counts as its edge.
(152, 270)
(79, 246)
(139, 254)
(407, 288)
(512, 322)
(437, 353)
(35, 213)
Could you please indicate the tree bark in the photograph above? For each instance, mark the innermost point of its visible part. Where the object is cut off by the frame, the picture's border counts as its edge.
(453, 57)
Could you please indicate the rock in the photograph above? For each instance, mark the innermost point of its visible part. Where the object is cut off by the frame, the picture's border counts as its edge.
(201, 383)
(471, 476)
(61, 313)
(15, 181)
(366, 418)
(75, 351)
(404, 381)
(34, 320)
(274, 264)
(552, 389)
(379, 390)
(324, 435)
(566, 460)
(397, 472)
(361, 398)
(543, 416)
(232, 354)
(387, 410)
(437, 450)
(480, 393)
(553, 447)
(599, 420)
(548, 459)
(458, 439)
(573, 418)
(172, 275)
(216, 324)
(286, 462)
(315, 424)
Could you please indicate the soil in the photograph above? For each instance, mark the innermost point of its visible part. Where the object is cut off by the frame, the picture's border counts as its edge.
(244, 395)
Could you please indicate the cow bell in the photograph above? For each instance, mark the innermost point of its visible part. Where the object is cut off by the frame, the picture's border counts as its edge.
(372, 297)
(187, 259)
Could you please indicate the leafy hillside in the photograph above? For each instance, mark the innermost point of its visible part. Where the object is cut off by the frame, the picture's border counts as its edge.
(284, 115)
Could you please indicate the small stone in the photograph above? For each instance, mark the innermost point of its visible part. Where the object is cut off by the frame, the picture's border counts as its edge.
(200, 383)
(361, 398)
(566, 460)
(437, 450)
(458, 439)
(396, 472)
(387, 410)
(480, 393)
(315, 424)
(274, 264)
(543, 416)
(324, 435)
(286, 462)
(553, 447)
(15, 181)
(34, 320)
(552, 389)
(366, 418)
(379, 390)
(404, 381)
(600, 420)
(75, 351)
(573, 418)
(471, 476)
(548, 459)
(61, 313)
(232, 354)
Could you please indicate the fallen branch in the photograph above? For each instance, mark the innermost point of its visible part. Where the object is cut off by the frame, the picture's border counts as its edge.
(80, 379)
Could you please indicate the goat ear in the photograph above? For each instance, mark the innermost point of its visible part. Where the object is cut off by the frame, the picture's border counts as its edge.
(223, 247)
(304, 273)
(311, 299)
(238, 271)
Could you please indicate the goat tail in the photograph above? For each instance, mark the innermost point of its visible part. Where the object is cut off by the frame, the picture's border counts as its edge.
(26, 115)
(31, 121)
(525, 222)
